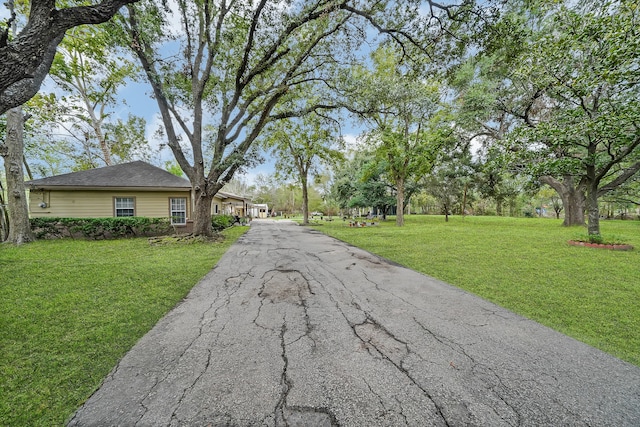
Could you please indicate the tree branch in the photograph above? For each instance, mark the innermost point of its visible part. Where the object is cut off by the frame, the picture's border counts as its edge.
(621, 179)
(25, 60)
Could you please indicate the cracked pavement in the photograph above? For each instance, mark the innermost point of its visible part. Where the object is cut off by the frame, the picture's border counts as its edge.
(294, 328)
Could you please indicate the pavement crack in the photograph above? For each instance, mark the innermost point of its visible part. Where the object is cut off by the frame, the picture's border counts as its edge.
(389, 352)
(207, 318)
(259, 311)
(402, 414)
(476, 368)
(145, 409)
(191, 387)
(458, 348)
(368, 344)
(387, 291)
(310, 415)
(285, 382)
(380, 401)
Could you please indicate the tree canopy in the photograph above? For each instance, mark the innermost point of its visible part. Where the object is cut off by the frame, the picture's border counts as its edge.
(581, 123)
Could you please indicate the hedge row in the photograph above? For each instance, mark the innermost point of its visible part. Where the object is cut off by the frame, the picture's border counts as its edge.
(111, 228)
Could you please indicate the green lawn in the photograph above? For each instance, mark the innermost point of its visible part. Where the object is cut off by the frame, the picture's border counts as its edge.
(69, 310)
(525, 265)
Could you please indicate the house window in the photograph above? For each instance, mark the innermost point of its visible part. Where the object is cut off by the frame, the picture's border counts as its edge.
(125, 206)
(178, 210)
(216, 209)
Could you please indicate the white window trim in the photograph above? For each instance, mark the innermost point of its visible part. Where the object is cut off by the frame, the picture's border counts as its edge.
(172, 210)
(116, 207)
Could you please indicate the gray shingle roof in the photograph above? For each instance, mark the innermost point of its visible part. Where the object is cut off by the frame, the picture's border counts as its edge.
(127, 175)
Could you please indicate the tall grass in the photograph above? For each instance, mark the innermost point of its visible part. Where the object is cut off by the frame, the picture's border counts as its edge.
(525, 265)
(69, 310)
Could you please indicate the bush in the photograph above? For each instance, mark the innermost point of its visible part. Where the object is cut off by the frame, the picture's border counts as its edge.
(99, 228)
(220, 222)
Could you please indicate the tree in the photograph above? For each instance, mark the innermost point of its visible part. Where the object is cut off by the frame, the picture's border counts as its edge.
(299, 145)
(173, 167)
(579, 126)
(496, 184)
(626, 195)
(13, 153)
(547, 193)
(25, 59)
(264, 190)
(88, 68)
(360, 182)
(237, 63)
(409, 122)
(449, 179)
(4, 214)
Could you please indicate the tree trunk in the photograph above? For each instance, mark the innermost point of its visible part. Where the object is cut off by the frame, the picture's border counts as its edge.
(96, 124)
(593, 227)
(512, 207)
(464, 200)
(13, 153)
(4, 215)
(400, 202)
(202, 215)
(573, 202)
(499, 206)
(305, 200)
(573, 198)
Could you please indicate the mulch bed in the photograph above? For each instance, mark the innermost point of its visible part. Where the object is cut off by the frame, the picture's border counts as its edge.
(601, 245)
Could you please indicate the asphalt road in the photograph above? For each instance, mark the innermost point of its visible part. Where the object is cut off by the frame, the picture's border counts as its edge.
(293, 328)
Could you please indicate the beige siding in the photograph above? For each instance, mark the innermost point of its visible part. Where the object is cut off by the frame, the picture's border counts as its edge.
(99, 204)
(216, 202)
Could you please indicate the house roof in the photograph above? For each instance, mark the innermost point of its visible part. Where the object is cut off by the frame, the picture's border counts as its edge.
(135, 175)
(224, 195)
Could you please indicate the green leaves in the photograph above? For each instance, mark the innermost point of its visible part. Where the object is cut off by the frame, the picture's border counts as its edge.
(301, 144)
(91, 69)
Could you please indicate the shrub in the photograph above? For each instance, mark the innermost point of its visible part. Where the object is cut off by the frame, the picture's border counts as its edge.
(99, 228)
(220, 222)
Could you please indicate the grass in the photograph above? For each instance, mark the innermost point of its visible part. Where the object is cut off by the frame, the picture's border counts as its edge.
(525, 265)
(69, 310)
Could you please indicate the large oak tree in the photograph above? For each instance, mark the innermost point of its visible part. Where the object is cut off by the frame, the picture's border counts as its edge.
(235, 63)
(580, 130)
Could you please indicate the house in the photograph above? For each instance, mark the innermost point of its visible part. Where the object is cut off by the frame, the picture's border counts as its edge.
(229, 204)
(129, 189)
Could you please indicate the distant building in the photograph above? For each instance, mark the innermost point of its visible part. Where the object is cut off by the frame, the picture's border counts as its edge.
(259, 210)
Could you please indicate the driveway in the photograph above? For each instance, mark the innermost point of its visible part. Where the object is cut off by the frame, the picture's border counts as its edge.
(293, 328)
